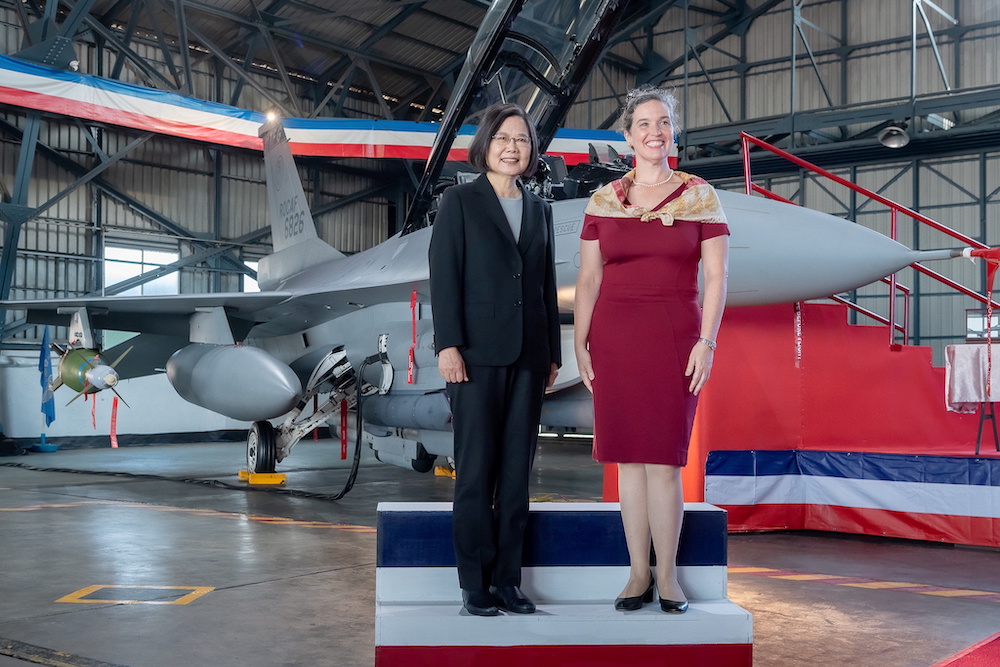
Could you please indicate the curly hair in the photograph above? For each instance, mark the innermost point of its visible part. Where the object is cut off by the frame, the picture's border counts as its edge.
(493, 118)
(644, 94)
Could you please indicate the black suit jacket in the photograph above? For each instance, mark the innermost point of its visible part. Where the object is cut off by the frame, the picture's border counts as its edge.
(493, 298)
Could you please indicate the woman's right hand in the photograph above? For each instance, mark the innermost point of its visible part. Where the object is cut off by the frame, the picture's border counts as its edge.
(451, 365)
(586, 367)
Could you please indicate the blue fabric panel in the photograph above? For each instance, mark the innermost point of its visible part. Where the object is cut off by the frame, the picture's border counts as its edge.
(894, 468)
(776, 462)
(934, 469)
(731, 463)
(831, 464)
(422, 538)
(750, 463)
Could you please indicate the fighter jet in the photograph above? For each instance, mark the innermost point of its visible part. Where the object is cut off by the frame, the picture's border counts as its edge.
(357, 329)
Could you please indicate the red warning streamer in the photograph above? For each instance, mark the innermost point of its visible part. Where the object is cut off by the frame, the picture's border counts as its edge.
(114, 423)
(413, 341)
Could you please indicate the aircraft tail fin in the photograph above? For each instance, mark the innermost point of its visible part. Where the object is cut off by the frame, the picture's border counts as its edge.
(296, 244)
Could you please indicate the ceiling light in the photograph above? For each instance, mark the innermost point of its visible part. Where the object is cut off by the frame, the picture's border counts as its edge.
(894, 136)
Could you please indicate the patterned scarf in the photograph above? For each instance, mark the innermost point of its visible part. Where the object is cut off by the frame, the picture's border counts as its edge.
(697, 203)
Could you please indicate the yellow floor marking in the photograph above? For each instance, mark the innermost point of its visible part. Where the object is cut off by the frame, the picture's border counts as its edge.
(884, 584)
(80, 596)
(805, 577)
(959, 593)
(750, 570)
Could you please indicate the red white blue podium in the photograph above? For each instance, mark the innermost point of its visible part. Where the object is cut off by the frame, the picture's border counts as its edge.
(575, 563)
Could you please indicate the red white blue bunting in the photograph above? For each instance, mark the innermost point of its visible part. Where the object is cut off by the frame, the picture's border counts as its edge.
(937, 498)
(92, 98)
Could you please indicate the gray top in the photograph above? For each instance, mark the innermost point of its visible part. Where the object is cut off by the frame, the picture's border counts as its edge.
(513, 209)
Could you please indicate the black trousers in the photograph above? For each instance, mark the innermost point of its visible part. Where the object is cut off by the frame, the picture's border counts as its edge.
(496, 430)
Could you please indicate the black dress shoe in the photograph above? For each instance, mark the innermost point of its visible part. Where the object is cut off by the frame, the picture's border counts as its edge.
(672, 607)
(510, 598)
(633, 603)
(479, 603)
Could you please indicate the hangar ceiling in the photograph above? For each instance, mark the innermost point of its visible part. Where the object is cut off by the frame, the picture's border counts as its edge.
(403, 55)
(397, 59)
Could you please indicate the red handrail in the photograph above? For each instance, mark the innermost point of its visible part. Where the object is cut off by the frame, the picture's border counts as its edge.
(901, 328)
(894, 209)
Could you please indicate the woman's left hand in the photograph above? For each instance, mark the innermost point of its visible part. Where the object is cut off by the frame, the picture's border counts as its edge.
(552, 376)
(699, 366)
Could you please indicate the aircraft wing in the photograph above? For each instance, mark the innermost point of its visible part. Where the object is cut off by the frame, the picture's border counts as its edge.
(164, 322)
(162, 314)
(267, 313)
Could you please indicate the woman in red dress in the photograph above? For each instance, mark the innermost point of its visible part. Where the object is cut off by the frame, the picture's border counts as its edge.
(643, 344)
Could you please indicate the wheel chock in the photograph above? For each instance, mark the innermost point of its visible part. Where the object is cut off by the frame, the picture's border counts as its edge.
(444, 471)
(262, 478)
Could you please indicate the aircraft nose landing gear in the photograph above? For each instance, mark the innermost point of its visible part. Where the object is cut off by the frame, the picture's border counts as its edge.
(267, 446)
(261, 448)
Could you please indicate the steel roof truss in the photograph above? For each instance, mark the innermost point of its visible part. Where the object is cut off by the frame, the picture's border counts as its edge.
(239, 71)
(262, 28)
(918, 7)
(797, 21)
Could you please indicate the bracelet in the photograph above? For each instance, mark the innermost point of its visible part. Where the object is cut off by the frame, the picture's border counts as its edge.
(710, 343)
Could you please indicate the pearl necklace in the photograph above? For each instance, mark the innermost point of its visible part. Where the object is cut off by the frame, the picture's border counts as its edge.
(655, 185)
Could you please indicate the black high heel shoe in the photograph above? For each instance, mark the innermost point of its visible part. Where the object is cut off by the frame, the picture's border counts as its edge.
(634, 603)
(672, 607)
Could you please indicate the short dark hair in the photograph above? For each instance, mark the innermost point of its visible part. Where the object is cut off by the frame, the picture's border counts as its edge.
(493, 118)
(644, 94)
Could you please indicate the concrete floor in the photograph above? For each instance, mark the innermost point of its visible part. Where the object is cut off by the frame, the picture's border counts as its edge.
(292, 573)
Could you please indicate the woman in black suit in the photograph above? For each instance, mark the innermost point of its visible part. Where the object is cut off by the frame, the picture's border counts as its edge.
(496, 329)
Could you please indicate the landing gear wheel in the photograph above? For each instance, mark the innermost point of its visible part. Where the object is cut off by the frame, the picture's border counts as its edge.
(261, 448)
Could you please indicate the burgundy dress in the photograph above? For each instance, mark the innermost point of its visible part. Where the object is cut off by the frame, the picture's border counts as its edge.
(645, 323)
